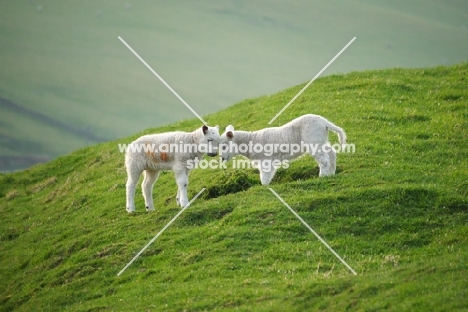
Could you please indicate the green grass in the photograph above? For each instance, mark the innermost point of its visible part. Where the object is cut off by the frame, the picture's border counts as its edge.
(396, 212)
(65, 61)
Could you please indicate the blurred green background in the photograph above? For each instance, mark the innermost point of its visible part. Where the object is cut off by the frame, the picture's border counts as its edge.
(66, 81)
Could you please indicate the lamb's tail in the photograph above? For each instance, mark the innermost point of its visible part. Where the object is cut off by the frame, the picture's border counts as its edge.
(341, 133)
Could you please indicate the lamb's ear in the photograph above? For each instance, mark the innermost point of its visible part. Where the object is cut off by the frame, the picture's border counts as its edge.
(230, 128)
(205, 129)
(217, 127)
(229, 135)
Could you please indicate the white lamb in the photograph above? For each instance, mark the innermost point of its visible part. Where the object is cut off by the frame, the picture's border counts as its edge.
(166, 151)
(306, 134)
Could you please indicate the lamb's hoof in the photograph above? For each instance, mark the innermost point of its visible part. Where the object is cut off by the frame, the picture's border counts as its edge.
(149, 209)
(130, 210)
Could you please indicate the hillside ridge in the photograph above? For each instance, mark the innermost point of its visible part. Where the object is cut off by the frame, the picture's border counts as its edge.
(396, 211)
(67, 63)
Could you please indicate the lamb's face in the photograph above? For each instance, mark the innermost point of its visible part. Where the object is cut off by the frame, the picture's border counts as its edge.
(227, 145)
(211, 139)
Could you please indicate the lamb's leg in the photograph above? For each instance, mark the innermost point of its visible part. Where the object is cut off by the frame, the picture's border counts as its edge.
(323, 160)
(132, 180)
(332, 156)
(182, 184)
(178, 192)
(147, 187)
(267, 175)
(178, 196)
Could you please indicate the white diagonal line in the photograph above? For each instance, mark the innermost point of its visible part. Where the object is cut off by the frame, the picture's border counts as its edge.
(162, 80)
(313, 232)
(310, 82)
(160, 232)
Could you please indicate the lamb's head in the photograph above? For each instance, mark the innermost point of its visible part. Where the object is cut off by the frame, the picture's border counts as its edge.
(210, 140)
(228, 146)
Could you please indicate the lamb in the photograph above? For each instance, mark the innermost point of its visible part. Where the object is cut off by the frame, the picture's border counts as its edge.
(305, 134)
(166, 151)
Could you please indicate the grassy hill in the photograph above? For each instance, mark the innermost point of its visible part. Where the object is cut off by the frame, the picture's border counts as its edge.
(396, 212)
(66, 81)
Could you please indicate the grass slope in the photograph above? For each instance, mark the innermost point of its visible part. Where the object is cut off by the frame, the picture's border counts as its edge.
(396, 212)
(62, 59)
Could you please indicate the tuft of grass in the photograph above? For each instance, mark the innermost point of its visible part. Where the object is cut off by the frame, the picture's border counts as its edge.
(396, 212)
